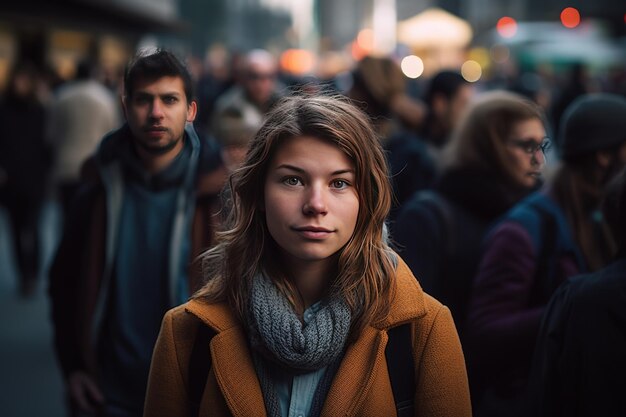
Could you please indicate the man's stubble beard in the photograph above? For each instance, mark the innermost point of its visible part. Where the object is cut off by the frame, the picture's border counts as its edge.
(157, 150)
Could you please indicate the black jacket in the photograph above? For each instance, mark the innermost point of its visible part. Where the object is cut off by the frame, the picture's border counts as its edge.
(579, 367)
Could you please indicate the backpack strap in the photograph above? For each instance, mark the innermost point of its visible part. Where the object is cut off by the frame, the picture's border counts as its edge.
(199, 365)
(547, 248)
(401, 368)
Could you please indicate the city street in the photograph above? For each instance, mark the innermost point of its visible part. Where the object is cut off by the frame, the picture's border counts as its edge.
(30, 381)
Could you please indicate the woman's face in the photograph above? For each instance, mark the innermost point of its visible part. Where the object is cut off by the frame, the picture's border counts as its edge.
(311, 203)
(524, 147)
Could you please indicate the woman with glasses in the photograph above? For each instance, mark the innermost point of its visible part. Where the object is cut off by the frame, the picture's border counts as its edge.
(493, 160)
(551, 235)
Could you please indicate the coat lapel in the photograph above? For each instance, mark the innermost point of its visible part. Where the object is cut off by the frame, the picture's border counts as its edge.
(235, 373)
(355, 375)
(232, 360)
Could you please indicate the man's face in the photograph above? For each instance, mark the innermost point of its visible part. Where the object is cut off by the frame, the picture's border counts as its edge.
(260, 82)
(157, 112)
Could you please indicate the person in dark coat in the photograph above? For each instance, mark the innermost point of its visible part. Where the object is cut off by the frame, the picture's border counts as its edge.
(415, 154)
(148, 207)
(549, 236)
(439, 232)
(23, 165)
(580, 361)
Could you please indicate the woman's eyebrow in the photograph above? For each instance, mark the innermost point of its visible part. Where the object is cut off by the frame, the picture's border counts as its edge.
(290, 167)
(343, 171)
(298, 169)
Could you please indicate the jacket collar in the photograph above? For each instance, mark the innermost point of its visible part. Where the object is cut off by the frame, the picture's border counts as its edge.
(407, 304)
(234, 369)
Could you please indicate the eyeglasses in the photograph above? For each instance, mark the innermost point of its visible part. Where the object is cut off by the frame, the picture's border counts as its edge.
(530, 146)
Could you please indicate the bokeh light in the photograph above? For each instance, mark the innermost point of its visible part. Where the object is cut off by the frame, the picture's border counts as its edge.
(412, 66)
(363, 44)
(297, 61)
(471, 71)
(365, 39)
(500, 53)
(506, 27)
(570, 17)
(480, 55)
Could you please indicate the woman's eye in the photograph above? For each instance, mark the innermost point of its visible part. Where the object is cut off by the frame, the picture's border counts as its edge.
(291, 181)
(339, 184)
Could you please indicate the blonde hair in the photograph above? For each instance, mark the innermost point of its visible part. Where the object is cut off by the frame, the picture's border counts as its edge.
(365, 278)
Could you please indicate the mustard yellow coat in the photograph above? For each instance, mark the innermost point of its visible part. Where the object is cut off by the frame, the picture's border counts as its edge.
(361, 386)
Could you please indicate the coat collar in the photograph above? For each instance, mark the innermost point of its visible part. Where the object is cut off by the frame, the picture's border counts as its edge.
(408, 301)
(234, 369)
(231, 358)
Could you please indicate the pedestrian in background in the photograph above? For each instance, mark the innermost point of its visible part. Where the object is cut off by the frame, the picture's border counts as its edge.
(579, 362)
(147, 208)
(257, 91)
(415, 155)
(551, 235)
(234, 133)
(24, 163)
(493, 160)
(81, 113)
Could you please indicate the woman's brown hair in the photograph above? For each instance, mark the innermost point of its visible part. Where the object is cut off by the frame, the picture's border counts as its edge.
(578, 189)
(365, 278)
(480, 139)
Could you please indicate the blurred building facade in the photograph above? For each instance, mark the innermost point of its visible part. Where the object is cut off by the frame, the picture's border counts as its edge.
(56, 35)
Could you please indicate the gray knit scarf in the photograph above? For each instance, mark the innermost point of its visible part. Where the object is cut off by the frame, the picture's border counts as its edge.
(277, 335)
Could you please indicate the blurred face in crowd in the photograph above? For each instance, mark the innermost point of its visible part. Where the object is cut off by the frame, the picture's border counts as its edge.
(458, 104)
(233, 156)
(156, 114)
(525, 146)
(311, 203)
(260, 82)
(448, 111)
(24, 84)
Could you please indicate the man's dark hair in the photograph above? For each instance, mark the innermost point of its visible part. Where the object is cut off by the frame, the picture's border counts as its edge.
(154, 65)
(446, 83)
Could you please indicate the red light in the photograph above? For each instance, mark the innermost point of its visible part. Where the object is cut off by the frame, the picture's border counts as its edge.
(570, 17)
(506, 27)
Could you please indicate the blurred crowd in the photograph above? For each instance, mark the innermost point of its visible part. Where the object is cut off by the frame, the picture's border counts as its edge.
(504, 190)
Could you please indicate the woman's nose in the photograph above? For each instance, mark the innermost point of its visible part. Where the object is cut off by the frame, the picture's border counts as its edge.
(315, 201)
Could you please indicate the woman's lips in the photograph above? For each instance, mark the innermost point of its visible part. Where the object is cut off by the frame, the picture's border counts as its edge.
(313, 232)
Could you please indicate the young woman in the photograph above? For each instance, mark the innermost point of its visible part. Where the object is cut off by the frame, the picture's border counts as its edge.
(303, 290)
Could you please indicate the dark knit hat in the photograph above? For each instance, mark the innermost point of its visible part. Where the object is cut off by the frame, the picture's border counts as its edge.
(591, 123)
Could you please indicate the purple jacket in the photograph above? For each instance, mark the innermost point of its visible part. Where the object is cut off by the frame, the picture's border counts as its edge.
(506, 308)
